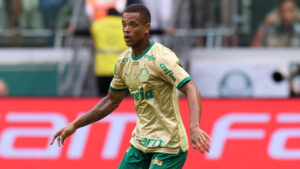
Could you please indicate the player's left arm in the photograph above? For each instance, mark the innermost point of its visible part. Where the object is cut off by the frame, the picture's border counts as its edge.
(199, 138)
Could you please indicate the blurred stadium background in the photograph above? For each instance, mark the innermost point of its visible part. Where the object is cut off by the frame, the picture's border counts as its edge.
(49, 76)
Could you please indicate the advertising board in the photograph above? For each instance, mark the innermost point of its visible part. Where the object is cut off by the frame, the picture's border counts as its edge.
(247, 134)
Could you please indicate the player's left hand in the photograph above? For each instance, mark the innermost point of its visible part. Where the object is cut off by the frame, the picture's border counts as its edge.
(200, 139)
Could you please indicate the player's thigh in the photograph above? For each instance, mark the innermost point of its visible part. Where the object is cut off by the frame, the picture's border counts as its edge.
(135, 159)
(168, 161)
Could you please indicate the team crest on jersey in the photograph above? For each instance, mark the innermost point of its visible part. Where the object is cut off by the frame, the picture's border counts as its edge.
(144, 74)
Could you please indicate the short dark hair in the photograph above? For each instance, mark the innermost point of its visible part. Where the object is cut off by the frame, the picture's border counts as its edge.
(141, 9)
(113, 12)
(283, 1)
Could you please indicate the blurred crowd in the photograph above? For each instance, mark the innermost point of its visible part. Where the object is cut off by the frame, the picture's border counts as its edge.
(275, 27)
(281, 27)
(34, 14)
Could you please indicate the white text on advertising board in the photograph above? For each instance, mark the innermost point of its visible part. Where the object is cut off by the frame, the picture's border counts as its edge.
(221, 134)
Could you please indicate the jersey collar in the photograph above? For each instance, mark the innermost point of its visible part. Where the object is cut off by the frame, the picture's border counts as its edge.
(137, 58)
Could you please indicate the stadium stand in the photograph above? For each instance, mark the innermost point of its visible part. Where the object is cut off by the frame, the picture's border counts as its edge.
(232, 23)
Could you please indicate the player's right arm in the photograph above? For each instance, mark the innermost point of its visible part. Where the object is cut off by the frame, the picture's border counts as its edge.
(103, 108)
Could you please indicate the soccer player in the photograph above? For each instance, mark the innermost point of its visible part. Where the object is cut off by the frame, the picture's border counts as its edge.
(152, 73)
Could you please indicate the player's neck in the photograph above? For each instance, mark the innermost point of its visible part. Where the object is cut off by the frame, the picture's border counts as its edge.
(138, 50)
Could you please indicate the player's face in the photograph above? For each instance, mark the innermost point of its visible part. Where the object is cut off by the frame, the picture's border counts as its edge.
(134, 29)
(287, 13)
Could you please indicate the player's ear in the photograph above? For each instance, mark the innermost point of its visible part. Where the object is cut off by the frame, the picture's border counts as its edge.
(147, 28)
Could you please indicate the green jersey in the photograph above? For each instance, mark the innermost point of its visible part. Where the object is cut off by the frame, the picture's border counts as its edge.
(153, 79)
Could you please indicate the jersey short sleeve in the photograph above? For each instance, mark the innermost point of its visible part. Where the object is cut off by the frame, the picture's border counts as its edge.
(171, 70)
(117, 84)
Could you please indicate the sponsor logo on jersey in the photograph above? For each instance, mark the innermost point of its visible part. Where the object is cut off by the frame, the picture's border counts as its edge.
(141, 95)
(150, 57)
(168, 72)
(149, 142)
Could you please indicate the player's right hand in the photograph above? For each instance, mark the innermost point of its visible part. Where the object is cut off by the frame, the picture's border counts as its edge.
(62, 134)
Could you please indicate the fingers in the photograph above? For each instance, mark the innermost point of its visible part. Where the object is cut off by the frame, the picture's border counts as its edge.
(204, 143)
(201, 146)
(201, 142)
(207, 136)
(58, 141)
(60, 136)
(197, 146)
(54, 137)
(61, 139)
